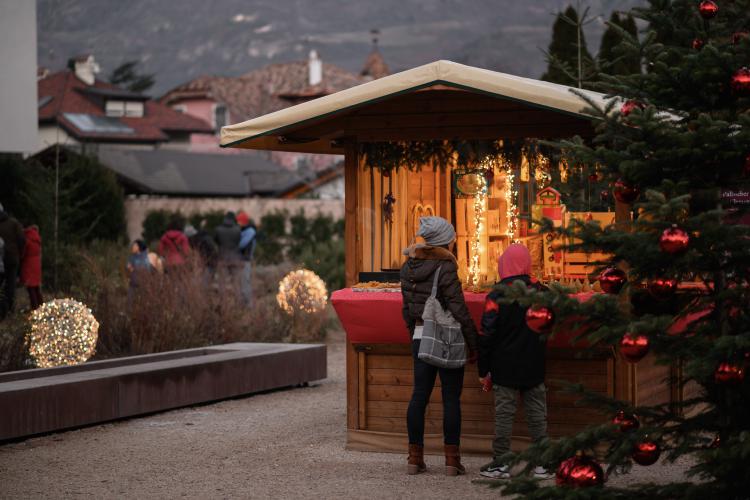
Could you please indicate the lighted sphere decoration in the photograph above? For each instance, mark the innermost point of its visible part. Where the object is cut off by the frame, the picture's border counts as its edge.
(674, 240)
(741, 81)
(729, 374)
(625, 192)
(626, 422)
(634, 347)
(646, 453)
(63, 332)
(302, 291)
(539, 318)
(579, 472)
(708, 9)
(612, 280)
(662, 288)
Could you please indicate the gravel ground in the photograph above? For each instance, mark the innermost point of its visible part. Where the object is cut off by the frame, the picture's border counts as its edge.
(285, 444)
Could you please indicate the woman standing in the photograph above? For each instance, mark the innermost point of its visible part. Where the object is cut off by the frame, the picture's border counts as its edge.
(416, 285)
(31, 266)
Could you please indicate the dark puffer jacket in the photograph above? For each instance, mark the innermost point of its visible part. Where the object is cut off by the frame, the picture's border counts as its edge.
(417, 274)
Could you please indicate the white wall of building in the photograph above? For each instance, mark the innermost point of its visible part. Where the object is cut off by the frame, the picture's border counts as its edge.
(18, 98)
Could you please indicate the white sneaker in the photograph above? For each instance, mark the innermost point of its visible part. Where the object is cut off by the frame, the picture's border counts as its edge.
(495, 471)
(542, 473)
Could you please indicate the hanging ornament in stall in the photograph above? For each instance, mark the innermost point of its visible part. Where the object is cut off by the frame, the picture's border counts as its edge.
(626, 422)
(579, 471)
(634, 347)
(388, 201)
(612, 280)
(674, 240)
(708, 9)
(646, 453)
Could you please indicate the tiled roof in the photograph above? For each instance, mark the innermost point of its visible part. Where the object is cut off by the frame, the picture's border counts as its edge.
(375, 66)
(70, 95)
(264, 90)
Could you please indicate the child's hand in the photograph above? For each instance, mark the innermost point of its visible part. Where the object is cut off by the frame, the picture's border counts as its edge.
(486, 382)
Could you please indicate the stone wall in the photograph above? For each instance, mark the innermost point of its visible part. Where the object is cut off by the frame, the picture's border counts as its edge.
(137, 208)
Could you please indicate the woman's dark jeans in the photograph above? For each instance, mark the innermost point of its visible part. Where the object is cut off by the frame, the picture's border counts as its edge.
(452, 381)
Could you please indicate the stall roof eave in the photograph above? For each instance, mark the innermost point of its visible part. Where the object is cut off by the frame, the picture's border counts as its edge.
(319, 125)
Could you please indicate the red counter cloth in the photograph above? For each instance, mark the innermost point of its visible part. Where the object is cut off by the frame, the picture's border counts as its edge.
(375, 317)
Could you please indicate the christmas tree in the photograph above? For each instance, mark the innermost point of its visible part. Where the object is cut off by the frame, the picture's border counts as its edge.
(569, 60)
(674, 140)
(609, 60)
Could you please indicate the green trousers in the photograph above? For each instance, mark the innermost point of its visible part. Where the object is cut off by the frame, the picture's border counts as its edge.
(535, 408)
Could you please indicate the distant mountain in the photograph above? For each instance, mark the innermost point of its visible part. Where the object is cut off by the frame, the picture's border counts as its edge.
(183, 39)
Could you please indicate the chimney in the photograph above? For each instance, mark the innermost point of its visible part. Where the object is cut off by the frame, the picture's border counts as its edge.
(315, 69)
(86, 68)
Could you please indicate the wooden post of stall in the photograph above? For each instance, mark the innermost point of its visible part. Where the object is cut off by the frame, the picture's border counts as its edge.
(351, 257)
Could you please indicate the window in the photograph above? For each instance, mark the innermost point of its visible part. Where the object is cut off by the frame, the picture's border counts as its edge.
(221, 116)
(180, 108)
(124, 108)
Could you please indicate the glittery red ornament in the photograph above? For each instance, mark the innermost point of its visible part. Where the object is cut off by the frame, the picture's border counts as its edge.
(741, 81)
(611, 280)
(698, 43)
(626, 422)
(540, 319)
(708, 9)
(625, 192)
(674, 240)
(729, 374)
(646, 453)
(634, 347)
(662, 288)
(629, 105)
(579, 472)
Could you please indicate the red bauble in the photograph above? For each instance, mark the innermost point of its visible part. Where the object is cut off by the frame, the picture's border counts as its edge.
(626, 422)
(662, 288)
(579, 472)
(674, 240)
(741, 80)
(625, 192)
(729, 374)
(612, 279)
(708, 9)
(646, 453)
(540, 319)
(629, 105)
(634, 347)
(698, 43)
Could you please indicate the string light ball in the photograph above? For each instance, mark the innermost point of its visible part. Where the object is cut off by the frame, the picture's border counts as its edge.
(63, 333)
(302, 291)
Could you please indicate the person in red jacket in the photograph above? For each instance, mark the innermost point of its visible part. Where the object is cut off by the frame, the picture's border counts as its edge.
(174, 245)
(31, 266)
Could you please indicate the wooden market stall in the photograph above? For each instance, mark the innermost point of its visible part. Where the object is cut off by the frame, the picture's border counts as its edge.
(455, 104)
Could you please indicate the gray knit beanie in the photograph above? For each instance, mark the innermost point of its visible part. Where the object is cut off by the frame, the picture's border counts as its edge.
(436, 231)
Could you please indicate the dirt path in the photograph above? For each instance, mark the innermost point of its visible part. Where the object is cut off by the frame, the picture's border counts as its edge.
(287, 444)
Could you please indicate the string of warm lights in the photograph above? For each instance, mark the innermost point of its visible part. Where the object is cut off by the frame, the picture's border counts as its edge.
(511, 215)
(302, 290)
(475, 247)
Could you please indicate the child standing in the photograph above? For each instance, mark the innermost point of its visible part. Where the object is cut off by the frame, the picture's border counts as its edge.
(513, 356)
(31, 266)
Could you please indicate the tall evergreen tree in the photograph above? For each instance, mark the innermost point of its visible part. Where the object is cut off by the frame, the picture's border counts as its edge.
(126, 75)
(563, 52)
(610, 58)
(686, 148)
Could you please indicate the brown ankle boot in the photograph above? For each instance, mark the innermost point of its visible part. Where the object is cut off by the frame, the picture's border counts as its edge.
(416, 459)
(453, 465)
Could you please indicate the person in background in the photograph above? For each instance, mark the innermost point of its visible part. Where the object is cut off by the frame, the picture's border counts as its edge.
(31, 266)
(11, 232)
(416, 277)
(202, 242)
(138, 263)
(247, 248)
(227, 236)
(512, 355)
(173, 245)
